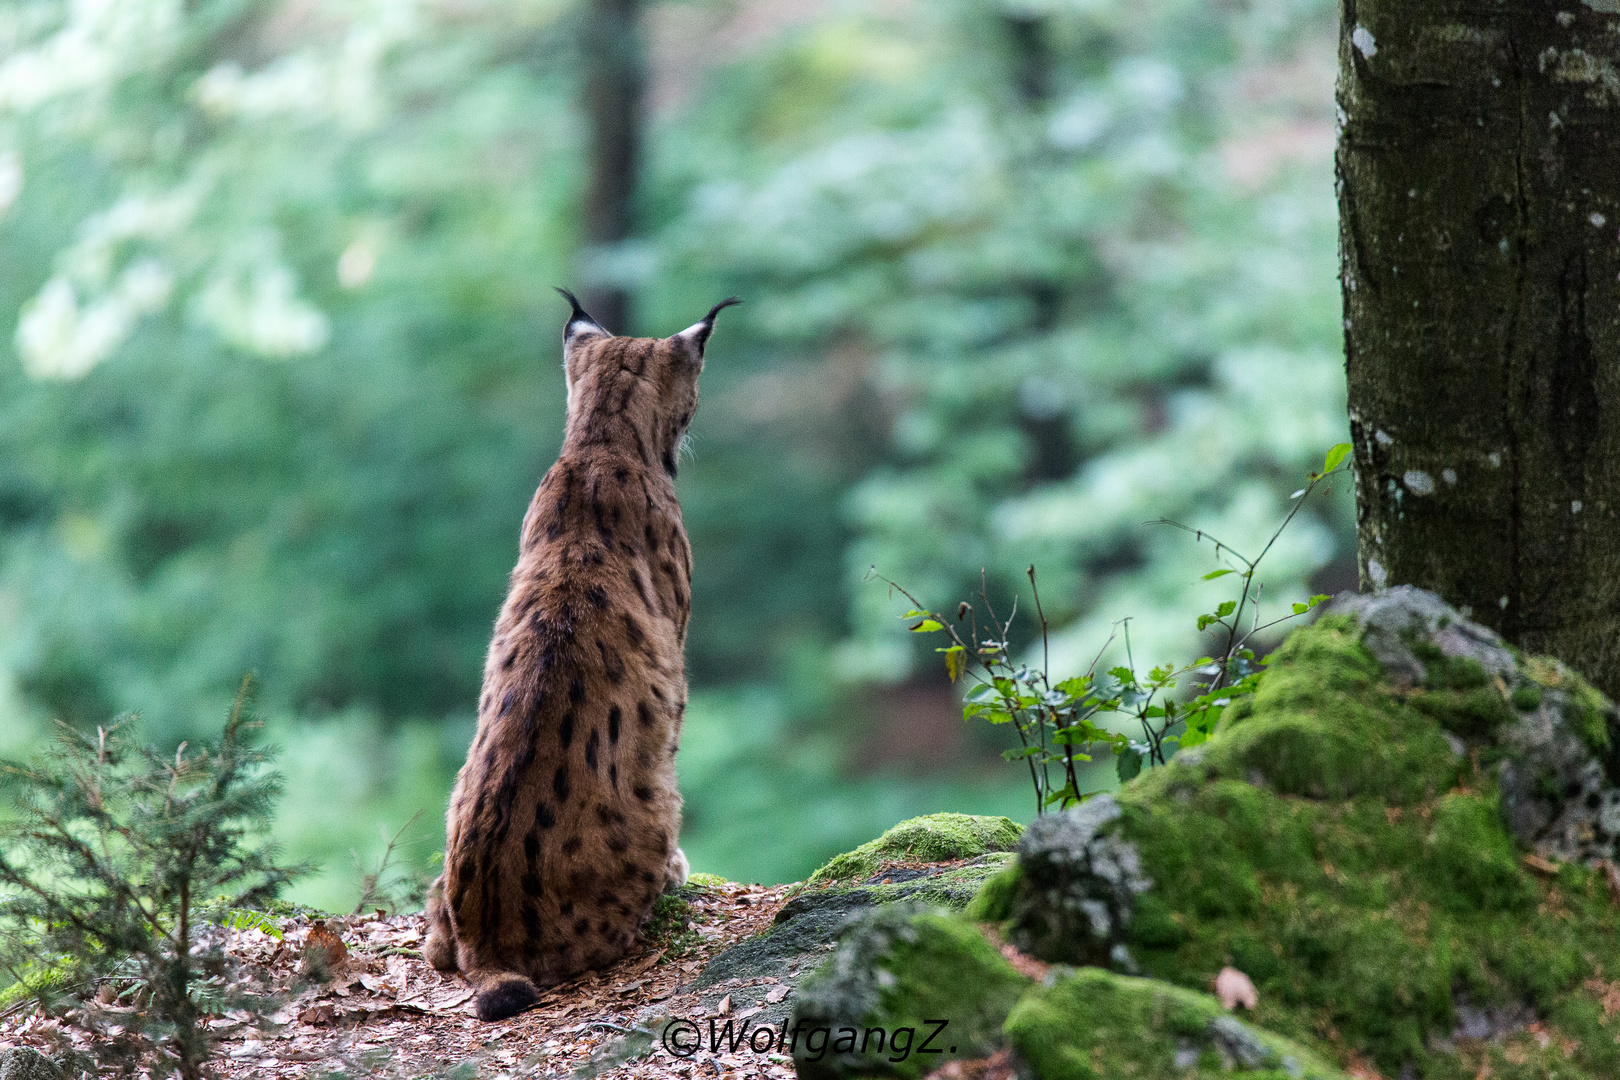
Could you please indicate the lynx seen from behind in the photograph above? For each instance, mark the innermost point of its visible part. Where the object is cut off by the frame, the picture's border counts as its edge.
(562, 826)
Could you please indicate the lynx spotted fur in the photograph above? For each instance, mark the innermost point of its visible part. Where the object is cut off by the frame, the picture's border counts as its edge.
(562, 827)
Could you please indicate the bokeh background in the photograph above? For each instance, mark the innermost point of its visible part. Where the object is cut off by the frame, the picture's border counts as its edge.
(280, 367)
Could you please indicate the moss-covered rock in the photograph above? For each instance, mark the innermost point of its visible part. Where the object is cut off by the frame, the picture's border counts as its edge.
(809, 924)
(1095, 1025)
(1077, 886)
(699, 880)
(929, 839)
(1354, 839)
(906, 990)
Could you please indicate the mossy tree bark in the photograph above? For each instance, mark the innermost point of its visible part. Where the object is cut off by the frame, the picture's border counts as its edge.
(1479, 199)
(614, 82)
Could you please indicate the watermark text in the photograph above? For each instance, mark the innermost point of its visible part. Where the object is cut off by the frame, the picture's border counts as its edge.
(684, 1038)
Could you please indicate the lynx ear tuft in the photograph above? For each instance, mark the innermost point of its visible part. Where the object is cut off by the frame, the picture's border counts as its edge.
(579, 322)
(697, 334)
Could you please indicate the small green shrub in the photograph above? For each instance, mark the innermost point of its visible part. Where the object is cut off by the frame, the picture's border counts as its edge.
(117, 868)
(1056, 720)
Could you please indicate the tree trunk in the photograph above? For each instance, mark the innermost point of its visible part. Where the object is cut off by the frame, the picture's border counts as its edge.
(1479, 200)
(614, 80)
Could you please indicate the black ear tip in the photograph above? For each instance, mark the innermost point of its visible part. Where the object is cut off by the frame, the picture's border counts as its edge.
(727, 302)
(573, 302)
(578, 315)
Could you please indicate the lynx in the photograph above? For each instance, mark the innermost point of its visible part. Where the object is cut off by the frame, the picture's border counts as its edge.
(562, 827)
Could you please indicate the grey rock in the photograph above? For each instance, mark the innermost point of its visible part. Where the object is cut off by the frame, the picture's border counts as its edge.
(23, 1063)
(854, 991)
(1122, 960)
(1239, 1044)
(1081, 882)
(1392, 618)
(1186, 1055)
(808, 926)
(1560, 796)
(1490, 1021)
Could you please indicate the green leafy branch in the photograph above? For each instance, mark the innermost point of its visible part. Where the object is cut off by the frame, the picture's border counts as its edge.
(1057, 722)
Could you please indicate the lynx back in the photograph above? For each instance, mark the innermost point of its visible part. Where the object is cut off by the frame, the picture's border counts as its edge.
(563, 823)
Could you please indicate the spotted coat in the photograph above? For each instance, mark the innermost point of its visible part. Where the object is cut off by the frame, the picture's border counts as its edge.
(562, 827)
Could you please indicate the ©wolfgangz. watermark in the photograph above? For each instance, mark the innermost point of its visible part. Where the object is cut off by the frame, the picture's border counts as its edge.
(683, 1038)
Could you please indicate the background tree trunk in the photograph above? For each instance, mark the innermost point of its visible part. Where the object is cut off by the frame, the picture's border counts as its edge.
(1479, 199)
(614, 81)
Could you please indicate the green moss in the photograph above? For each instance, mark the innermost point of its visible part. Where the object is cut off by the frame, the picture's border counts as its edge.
(1333, 847)
(669, 926)
(1096, 1025)
(1596, 712)
(1473, 860)
(1526, 696)
(1154, 925)
(1318, 726)
(1474, 714)
(954, 888)
(1312, 899)
(1331, 843)
(1443, 672)
(1332, 648)
(705, 881)
(38, 978)
(993, 903)
(932, 838)
(901, 970)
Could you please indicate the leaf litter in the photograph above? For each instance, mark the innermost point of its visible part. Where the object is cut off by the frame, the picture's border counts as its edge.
(380, 1009)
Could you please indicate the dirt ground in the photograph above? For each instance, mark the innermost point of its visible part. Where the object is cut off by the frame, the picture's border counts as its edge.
(388, 1012)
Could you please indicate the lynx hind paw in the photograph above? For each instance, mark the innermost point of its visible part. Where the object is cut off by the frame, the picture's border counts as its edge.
(440, 948)
(504, 996)
(677, 872)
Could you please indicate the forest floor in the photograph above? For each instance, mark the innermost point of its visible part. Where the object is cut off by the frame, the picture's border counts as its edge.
(386, 1012)
(382, 1011)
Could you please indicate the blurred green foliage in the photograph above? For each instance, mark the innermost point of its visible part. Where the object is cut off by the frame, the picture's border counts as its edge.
(1021, 274)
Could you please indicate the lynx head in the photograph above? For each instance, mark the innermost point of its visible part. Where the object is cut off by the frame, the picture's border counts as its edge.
(639, 390)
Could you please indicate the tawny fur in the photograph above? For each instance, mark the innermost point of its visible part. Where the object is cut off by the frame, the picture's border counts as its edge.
(563, 823)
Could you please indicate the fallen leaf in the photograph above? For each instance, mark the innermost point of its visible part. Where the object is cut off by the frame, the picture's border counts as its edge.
(446, 1006)
(724, 1007)
(1539, 864)
(324, 953)
(777, 994)
(1614, 877)
(1608, 994)
(1235, 988)
(383, 985)
(317, 1014)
